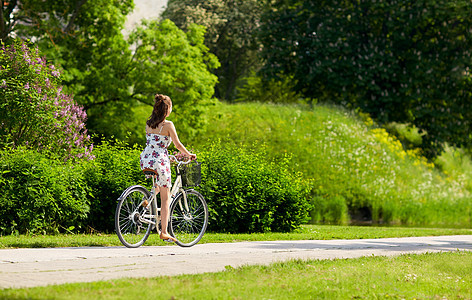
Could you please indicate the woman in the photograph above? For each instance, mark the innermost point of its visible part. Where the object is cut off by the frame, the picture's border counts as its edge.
(159, 134)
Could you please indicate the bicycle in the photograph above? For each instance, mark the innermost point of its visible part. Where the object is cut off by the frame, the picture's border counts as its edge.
(137, 213)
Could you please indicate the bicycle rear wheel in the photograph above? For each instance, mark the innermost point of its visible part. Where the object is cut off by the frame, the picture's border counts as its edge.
(130, 229)
(188, 218)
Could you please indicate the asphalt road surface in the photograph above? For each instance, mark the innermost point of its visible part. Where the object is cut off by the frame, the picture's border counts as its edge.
(46, 266)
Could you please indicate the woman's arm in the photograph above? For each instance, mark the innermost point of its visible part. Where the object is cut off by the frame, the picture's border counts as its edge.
(177, 143)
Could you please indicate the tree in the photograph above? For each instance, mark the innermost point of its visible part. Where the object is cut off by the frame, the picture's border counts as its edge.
(168, 61)
(34, 111)
(6, 20)
(231, 25)
(83, 38)
(101, 68)
(403, 61)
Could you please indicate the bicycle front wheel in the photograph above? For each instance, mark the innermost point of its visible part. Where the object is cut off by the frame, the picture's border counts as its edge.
(188, 218)
(129, 225)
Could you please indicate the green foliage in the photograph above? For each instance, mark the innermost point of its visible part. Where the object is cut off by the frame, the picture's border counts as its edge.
(456, 163)
(42, 194)
(329, 210)
(174, 63)
(85, 39)
(34, 111)
(359, 172)
(109, 75)
(409, 135)
(248, 192)
(245, 192)
(399, 61)
(39, 194)
(272, 91)
(231, 28)
(114, 168)
(165, 60)
(351, 171)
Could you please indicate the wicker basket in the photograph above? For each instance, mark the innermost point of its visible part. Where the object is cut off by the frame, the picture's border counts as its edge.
(191, 174)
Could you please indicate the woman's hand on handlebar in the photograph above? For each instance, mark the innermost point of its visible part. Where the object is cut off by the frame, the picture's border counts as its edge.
(181, 157)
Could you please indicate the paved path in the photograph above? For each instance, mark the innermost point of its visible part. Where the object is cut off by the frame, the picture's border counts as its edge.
(45, 266)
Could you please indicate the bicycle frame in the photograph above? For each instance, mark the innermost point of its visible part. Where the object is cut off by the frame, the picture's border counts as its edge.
(137, 212)
(178, 188)
(152, 200)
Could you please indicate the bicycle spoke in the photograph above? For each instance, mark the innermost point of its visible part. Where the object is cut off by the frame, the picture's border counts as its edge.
(126, 228)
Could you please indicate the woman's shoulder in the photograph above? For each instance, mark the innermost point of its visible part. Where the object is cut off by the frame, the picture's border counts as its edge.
(168, 124)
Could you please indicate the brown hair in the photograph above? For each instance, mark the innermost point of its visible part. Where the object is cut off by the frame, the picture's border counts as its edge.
(159, 112)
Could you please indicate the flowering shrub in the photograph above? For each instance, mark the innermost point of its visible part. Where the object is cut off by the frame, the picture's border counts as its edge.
(34, 111)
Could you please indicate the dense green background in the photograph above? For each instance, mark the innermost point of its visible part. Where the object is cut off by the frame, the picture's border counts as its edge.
(375, 126)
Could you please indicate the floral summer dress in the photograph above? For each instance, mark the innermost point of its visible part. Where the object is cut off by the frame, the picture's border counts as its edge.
(156, 157)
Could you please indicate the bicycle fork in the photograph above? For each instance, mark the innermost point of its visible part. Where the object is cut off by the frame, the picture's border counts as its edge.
(175, 191)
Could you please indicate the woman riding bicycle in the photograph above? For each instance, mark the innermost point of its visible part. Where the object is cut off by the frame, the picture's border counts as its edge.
(159, 134)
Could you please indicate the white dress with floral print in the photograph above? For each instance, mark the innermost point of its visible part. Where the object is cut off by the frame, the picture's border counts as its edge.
(156, 157)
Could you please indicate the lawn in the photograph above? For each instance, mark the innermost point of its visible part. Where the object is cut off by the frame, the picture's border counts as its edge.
(305, 232)
(425, 276)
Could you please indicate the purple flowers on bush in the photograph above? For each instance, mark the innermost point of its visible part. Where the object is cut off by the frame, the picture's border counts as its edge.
(34, 110)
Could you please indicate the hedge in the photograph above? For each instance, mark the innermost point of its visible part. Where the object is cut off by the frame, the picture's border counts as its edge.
(245, 191)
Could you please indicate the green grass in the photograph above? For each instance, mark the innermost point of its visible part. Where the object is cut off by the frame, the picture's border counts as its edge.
(425, 276)
(357, 169)
(306, 232)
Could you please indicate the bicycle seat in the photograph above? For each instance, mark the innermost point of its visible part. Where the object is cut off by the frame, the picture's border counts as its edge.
(150, 172)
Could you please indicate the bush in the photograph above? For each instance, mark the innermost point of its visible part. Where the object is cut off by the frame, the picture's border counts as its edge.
(39, 194)
(409, 135)
(329, 210)
(115, 168)
(247, 192)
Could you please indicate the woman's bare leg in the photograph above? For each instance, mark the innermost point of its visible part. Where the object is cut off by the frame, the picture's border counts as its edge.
(165, 196)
